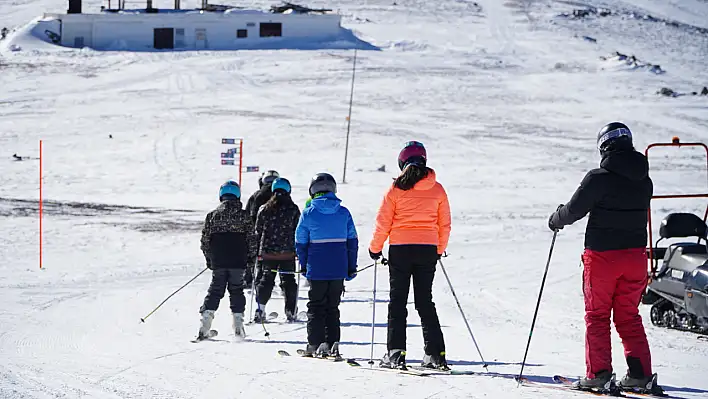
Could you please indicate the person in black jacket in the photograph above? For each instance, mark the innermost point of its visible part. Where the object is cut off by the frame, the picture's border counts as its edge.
(255, 201)
(228, 241)
(616, 196)
(275, 228)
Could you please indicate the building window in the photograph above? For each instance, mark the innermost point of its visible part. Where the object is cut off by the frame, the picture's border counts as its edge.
(269, 29)
(179, 38)
(251, 24)
(241, 33)
(79, 42)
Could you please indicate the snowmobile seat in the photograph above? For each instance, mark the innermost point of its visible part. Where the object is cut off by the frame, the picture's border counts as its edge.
(683, 225)
(656, 253)
(680, 225)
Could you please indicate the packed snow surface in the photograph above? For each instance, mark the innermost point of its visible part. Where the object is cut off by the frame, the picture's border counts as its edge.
(506, 96)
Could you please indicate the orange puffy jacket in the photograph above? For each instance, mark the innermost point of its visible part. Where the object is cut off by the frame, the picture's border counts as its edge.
(417, 216)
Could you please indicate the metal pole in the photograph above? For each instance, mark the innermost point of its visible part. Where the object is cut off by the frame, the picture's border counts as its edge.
(373, 316)
(538, 303)
(349, 118)
(240, 161)
(41, 204)
(463, 314)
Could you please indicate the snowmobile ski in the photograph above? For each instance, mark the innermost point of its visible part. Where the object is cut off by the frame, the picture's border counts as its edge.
(211, 334)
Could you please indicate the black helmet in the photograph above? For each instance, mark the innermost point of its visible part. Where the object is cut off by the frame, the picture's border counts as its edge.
(267, 178)
(322, 182)
(614, 136)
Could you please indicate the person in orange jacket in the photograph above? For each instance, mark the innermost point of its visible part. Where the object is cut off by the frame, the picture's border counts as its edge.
(415, 218)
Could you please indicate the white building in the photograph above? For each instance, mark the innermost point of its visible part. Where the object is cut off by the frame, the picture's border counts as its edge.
(212, 27)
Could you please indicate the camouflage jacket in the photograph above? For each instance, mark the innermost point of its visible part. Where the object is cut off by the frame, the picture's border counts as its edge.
(276, 227)
(228, 238)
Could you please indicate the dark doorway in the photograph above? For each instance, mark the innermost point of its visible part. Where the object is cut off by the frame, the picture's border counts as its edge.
(164, 38)
(271, 29)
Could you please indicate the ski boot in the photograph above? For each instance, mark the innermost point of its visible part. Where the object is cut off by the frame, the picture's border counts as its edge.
(205, 327)
(310, 351)
(238, 327)
(436, 361)
(259, 316)
(645, 385)
(334, 352)
(290, 315)
(604, 382)
(394, 359)
(323, 350)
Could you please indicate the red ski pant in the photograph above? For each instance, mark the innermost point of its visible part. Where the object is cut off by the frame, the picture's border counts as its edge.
(613, 284)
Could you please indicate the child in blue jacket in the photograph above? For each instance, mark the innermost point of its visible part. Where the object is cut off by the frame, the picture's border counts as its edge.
(326, 243)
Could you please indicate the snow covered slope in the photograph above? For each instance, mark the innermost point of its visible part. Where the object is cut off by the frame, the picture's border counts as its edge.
(507, 97)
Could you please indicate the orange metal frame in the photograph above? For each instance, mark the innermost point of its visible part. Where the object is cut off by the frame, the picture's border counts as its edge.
(675, 142)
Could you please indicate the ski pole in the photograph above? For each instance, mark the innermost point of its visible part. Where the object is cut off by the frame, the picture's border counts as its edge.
(255, 275)
(365, 267)
(538, 303)
(373, 316)
(463, 314)
(172, 294)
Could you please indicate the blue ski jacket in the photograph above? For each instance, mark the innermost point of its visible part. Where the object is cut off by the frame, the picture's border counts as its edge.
(325, 240)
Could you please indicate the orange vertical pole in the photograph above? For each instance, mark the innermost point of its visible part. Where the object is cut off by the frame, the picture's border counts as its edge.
(40, 204)
(240, 161)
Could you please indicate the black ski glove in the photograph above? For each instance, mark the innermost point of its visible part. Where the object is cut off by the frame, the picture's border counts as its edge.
(375, 256)
(550, 220)
(208, 263)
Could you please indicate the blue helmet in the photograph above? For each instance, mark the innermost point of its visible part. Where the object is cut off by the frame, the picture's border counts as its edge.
(280, 184)
(229, 189)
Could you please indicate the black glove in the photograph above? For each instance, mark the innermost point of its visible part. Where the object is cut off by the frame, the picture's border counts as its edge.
(550, 220)
(208, 263)
(375, 256)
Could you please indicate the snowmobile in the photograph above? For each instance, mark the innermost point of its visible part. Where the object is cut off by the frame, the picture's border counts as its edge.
(678, 283)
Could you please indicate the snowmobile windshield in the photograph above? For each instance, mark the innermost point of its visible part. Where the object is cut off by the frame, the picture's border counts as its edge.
(700, 278)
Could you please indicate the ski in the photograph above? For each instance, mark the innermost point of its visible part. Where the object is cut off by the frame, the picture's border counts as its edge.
(301, 353)
(407, 371)
(211, 334)
(270, 317)
(628, 393)
(443, 372)
(558, 385)
(355, 363)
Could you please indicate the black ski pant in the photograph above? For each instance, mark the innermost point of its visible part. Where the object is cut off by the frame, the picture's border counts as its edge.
(287, 282)
(417, 262)
(323, 311)
(221, 279)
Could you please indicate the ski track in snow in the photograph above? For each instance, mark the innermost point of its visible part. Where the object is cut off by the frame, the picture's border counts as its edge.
(507, 98)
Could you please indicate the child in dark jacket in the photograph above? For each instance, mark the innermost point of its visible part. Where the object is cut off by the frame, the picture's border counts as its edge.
(327, 244)
(228, 241)
(275, 228)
